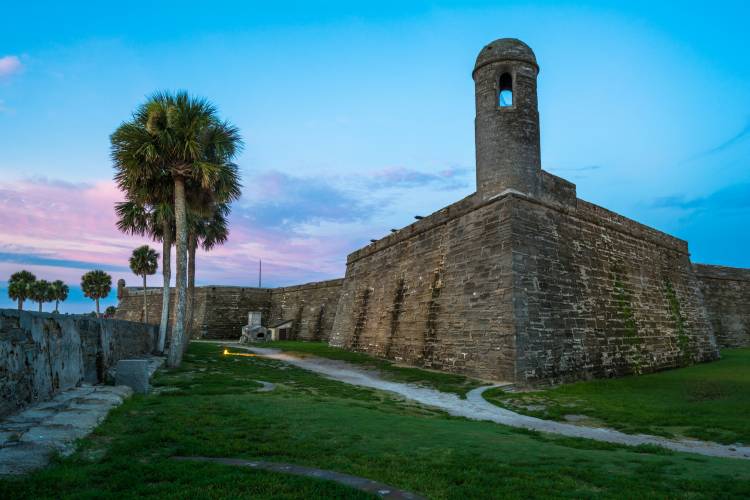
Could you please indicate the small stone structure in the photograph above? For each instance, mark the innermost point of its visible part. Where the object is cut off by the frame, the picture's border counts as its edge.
(254, 331)
(134, 373)
(42, 354)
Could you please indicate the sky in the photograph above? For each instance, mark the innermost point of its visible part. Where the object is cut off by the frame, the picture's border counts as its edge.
(358, 116)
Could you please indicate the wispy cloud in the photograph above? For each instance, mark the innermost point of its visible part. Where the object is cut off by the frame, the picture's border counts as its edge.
(281, 201)
(9, 65)
(735, 197)
(402, 177)
(740, 136)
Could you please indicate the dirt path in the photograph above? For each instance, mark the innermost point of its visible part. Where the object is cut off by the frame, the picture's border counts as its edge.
(475, 407)
(382, 490)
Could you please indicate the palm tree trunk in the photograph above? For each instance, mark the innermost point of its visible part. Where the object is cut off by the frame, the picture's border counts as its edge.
(175, 349)
(192, 245)
(97, 308)
(57, 304)
(145, 302)
(20, 304)
(166, 271)
(40, 306)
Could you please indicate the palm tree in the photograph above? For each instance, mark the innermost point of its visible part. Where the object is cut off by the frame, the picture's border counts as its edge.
(208, 230)
(19, 286)
(144, 262)
(41, 292)
(179, 136)
(96, 285)
(59, 293)
(157, 221)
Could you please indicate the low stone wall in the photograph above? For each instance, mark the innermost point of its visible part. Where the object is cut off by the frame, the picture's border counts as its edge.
(42, 354)
(726, 293)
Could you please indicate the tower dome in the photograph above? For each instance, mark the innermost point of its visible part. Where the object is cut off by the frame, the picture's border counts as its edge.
(505, 49)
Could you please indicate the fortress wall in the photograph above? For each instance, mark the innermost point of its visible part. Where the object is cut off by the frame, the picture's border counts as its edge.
(599, 295)
(220, 312)
(726, 292)
(435, 294)
(130, 305)
(311, 306)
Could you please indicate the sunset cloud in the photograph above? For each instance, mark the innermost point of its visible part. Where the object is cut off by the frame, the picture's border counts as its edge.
(9, 65)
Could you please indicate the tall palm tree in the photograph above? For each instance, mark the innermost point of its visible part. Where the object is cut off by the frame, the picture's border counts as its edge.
(59, 293)
(182, 137)
(96, 285)
(157, 221)
(209, 230)
(19, 286)
(143, 262)
(41, 292)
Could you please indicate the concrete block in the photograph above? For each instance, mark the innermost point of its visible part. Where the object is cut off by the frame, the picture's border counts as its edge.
(133, 373)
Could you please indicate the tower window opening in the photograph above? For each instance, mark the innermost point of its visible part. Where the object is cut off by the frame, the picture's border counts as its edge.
(505, 91)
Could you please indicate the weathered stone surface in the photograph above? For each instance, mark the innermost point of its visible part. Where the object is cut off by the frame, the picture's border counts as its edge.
(726, 292)
(42, 354)
(133, 373)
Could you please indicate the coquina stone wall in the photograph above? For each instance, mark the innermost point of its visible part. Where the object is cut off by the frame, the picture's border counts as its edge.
(598, 295)
(436, 294)
(726, 292)
(529, 290)
(42, 354)
(312, 307)
(220, 312)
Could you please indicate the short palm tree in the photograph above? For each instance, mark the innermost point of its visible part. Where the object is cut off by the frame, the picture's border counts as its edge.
(96, 285)
(180, 137)
(19, 286)
(154, 219)
(41, 292)
(59, 293)
(144, 262)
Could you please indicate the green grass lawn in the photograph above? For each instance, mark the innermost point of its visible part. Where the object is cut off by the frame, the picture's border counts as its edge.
(210, 407)
(709, 401)
(441, 381)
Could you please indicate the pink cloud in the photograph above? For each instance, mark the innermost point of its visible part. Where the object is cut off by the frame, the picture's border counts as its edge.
(59, 230)
(9, 65)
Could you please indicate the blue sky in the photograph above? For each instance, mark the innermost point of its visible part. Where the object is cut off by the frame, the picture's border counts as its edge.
(357, 117)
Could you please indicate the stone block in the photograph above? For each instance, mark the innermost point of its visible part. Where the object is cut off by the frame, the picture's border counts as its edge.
(133, 373)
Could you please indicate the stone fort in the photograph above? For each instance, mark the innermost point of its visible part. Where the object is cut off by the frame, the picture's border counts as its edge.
(521, 281)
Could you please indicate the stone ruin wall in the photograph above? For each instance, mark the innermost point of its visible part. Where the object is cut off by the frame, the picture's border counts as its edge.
(726, 292)
(435, 294)
(599, 295)
(220, 312)
(42, 354)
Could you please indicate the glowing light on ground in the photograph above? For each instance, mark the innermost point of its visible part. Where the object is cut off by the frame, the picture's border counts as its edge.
(245, 354)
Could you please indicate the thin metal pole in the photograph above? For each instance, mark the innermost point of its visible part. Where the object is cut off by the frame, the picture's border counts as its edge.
(260, 272)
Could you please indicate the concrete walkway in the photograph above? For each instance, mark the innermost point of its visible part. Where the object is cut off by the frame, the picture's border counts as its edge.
(28, 438)
(475, 407)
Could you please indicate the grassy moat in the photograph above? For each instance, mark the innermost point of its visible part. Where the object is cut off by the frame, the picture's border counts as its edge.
(210, 407)
(709, 401)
